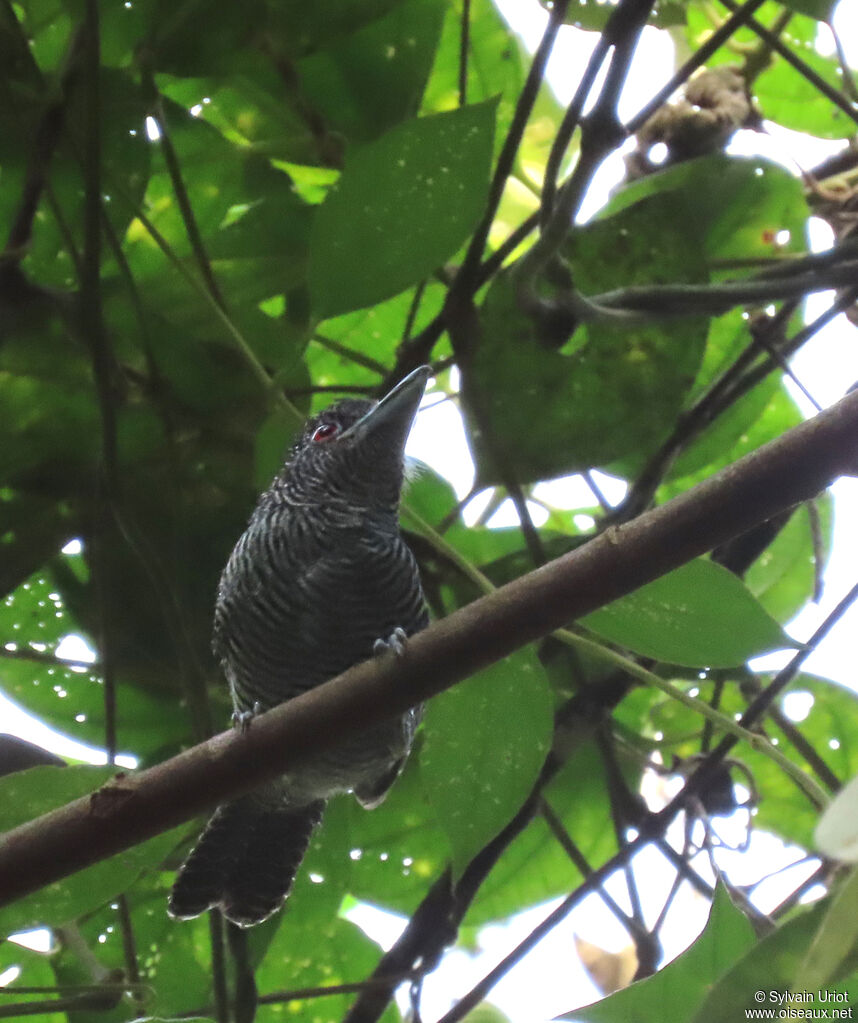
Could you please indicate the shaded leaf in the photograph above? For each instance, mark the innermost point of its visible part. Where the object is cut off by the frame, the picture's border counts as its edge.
(403, 205)
(536, 411)
(485, 742)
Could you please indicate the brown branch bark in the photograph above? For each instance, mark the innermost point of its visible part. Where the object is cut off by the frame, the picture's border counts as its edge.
(132, 808)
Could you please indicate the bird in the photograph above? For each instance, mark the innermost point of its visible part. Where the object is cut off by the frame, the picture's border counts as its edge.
(320, 580)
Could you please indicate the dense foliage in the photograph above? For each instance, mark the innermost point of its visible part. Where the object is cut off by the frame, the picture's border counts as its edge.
(215, 216)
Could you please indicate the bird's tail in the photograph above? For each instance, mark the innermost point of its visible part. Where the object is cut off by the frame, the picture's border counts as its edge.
(245, 861)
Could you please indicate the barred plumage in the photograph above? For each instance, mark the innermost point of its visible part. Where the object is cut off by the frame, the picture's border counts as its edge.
(320, 574)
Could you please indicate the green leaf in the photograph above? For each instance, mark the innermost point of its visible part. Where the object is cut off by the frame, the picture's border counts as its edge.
(784, 577)
(724, 441)
(72, 702)
(27, 795)
(365, 83)
(496, 67)
(785, 95)
(836, 938)
(35, 972)
(391, 854)
(403, 205)
(675, 991)
(310, 950)
(830, 726)
(699, 615)
(537, 410)
(714, 446)
(535, 867)
(770, 969)
(819, 9)
(736, 206)
(485, 742)
(170, 955)
(177, 44)
(373, 333)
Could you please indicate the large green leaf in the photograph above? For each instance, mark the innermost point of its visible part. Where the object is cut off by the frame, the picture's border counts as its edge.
(699, 615)
(403, 205)
(765, 975)
(676, 990)
(388, 856)
(485, 741)
(725, 441)
(737, 207)
(536, 411)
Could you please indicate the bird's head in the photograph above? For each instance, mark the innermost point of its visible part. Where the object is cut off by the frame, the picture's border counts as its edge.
(354, 451)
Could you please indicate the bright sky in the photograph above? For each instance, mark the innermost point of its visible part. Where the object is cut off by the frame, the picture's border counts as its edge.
(552, 980)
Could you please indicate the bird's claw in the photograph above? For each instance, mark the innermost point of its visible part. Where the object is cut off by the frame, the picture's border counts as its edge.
(395, 642)
(241, 718)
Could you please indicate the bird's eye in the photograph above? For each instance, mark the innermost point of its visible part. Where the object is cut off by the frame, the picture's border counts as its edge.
(327, 431)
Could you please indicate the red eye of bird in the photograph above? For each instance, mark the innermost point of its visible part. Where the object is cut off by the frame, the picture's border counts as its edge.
(327, 431)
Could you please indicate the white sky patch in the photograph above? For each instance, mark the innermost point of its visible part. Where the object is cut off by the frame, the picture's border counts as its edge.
(16, 721)
(798, 705)
(75, 648)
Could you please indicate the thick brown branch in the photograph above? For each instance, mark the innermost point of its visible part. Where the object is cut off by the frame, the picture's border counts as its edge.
(785, 472)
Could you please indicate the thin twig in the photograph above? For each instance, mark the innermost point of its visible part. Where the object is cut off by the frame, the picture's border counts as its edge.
(246, 995)
(564, 840)
(661, 301)
(506, 161)
(129, 951)
(464, 46)
(570, 122)
(241, 342)
(43, 657)
(762, 703)
(358, 358)
(849, 84)
(183, 200)
(601, 133)
(219, 987)
(413, 309)
(532, 539)
(46, 138)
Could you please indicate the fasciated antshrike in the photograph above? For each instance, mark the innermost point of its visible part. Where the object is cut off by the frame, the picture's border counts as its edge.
(321, 574)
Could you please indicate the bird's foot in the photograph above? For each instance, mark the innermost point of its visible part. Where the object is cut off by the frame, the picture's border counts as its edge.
(241, 718)
(394, 642)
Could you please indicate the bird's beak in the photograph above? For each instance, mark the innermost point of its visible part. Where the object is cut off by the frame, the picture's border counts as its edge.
(392, 417)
